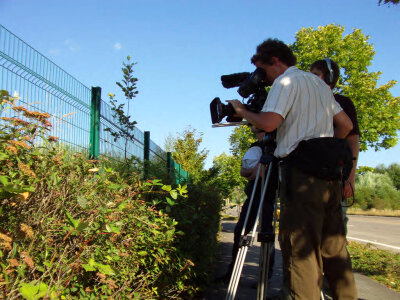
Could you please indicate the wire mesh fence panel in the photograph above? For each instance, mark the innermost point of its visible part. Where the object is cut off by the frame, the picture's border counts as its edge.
(109, 146)
(43, 86)
(156, 153)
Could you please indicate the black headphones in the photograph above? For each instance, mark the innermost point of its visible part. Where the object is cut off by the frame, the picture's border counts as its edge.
(329, 79)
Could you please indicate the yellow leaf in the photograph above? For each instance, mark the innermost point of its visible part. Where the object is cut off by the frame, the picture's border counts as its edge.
(20, 197)
(24, 195)
(94, 170)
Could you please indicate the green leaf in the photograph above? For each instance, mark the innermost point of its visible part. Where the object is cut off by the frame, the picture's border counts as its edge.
(174, 194)
(167, 188)
(72, 221)
(82, 201)
(114, 186)
(4, 180)
(32, 290)
(89, 268)
(113, 228)
(82, 226)
(11, 188)
(122, 205)
(142, 253)
(170, 202)
(105, 269)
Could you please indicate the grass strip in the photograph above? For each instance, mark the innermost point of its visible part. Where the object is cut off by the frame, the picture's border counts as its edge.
(373, 212)
(380, 265)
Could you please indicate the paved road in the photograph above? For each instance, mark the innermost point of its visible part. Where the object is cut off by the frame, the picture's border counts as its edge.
(383, 232)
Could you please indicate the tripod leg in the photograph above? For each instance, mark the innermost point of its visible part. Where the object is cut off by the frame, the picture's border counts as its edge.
(244, 243)
(267, 240)
(265, 255)
(234, 282)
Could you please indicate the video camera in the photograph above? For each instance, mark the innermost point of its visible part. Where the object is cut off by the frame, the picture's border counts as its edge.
(250, 85)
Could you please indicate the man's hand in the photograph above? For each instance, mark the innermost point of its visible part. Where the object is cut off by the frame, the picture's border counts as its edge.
(267, 121)
(238, 106)
(348, 189)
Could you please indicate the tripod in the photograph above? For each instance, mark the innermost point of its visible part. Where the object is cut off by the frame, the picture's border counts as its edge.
(267, 239)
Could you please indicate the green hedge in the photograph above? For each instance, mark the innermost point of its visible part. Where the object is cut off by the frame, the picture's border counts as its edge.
(87, 229)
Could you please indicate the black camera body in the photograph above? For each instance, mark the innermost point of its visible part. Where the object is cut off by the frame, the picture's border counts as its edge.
(251, 85)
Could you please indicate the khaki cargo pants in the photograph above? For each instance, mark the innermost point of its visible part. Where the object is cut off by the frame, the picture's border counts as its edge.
(312, 237)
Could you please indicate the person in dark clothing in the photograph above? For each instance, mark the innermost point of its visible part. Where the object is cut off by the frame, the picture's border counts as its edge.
(328, 70)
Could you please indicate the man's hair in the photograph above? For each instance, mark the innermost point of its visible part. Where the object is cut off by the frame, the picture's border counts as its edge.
(323, 67)
(274, 48)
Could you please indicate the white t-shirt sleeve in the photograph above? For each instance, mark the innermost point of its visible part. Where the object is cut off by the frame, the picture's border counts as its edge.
(251, 157)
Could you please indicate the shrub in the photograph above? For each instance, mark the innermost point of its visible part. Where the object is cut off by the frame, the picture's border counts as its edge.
(376, 191)
(77, 228)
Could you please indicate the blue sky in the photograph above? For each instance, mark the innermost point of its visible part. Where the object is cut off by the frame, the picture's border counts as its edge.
(183, 47)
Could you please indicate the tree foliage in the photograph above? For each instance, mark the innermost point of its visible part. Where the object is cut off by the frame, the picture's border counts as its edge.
(227, 169)
(186, 151)
(378, 111)
(374, 190)
(240, 140)
(389, 2)
(128, 86)
(393, 171)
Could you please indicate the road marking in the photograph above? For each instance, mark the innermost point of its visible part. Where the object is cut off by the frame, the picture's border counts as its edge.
(371, 242)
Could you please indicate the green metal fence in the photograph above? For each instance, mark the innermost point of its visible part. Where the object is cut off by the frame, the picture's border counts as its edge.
(78, 114)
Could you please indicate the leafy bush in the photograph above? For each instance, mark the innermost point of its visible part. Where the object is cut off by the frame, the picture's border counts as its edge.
(376, 191)
(381, 265)
(77, 228)
(393, 171)
(198, 215)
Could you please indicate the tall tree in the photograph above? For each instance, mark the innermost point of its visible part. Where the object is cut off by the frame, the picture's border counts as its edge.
(240, 140)
(227, 169)
(392, 170)
(186, 151)
(378, 111)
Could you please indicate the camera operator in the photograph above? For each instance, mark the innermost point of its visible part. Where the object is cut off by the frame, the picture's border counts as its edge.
(328, 70)
(250, 163)
(302, 108)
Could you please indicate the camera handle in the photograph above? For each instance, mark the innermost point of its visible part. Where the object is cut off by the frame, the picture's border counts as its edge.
(266, 239)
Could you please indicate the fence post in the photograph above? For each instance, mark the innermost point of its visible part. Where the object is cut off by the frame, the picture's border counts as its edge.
(95, 123)
(179, 174)
(169, 158)
(146, 153)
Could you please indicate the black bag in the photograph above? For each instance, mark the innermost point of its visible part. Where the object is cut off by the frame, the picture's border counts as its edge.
(326, 158)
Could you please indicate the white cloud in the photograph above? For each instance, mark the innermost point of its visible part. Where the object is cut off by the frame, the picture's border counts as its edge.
(71, 45)
(117, 46)
(54, 51)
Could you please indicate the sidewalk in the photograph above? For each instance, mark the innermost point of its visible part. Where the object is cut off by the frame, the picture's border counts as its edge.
(367, 288)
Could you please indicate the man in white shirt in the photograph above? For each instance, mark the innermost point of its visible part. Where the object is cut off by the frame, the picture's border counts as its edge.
(302, 107)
